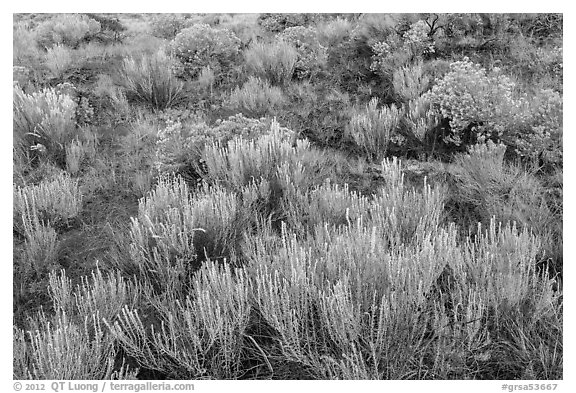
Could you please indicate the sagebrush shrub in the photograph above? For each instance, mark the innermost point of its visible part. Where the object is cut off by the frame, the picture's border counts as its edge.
(58, 60)
(373, 129)
(180, 146)
(201, 45)
(274, 61)
(256, 98)
(176, 229)
(66, 29)
(419, 118)
(61, 349)
(152, 80)
(44, 121)
(55, 201)
(240, 161)
(494, 188)
(410, 82)
(201, 335)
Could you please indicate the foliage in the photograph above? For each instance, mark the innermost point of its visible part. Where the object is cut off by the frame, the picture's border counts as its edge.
(180, 147)
(275, 61)
(201, 45)
(410, 82)
(276, 23)
(54, 201)
(167, 26)
(152, 80)
(373, 129)
(66, 29)
(474, 101)
(58, 60)
(200, 336)
(44, 121)
(311, 54)
(256, 98)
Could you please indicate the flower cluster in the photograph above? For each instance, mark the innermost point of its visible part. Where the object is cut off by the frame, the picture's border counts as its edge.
(201, 45)
(311, 54)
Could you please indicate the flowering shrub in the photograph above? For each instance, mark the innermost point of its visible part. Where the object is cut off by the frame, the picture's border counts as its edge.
(256, 98)
(473, 99)
(311, 54)
(66, 29)
(201, 45)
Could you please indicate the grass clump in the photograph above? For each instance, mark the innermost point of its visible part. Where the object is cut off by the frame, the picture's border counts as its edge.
(275, 61)
(256, 98)
(373, 129)
(151, 80)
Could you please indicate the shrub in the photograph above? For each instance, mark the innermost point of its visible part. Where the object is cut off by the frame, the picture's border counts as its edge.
(201, 336)
(64, 350)
(256, 98)
(66, 29)
(200, 45)
(373, 129)
(152, 80)
(54, 201)
(312, 56)
(419, 118)
(25, 51)
(167, 26)
(58, 60)
(410, 82)
(277, 23)
(474, 101)
(180, 147)
(241, 162)
(175, 231)
(102, 295)
(40, 246)
(77, 153)
(44, 121)
(275, 61)
(498, 189)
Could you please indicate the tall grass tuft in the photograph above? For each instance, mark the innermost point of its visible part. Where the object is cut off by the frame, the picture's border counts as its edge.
(372, 129)
(274, 61)
(410, 82)
(58, 60)
(151, 80)
(256, 98)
